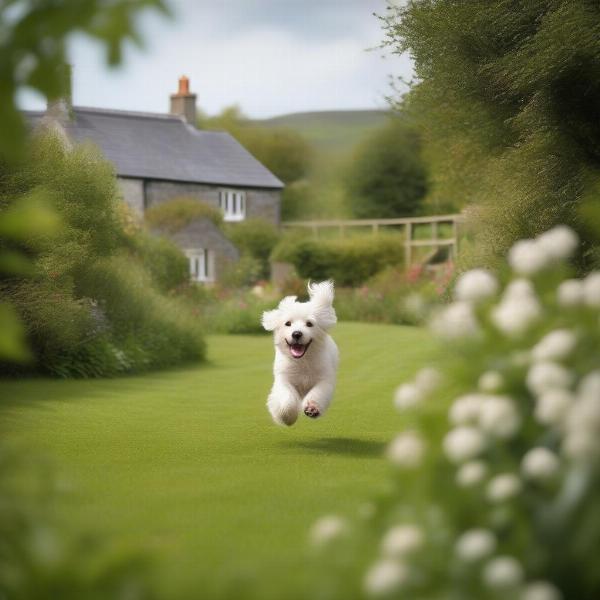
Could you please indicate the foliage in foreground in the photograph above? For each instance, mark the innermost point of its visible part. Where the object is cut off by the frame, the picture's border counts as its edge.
(88, 304)
(21, 25)
(496, 473)
(507, 95)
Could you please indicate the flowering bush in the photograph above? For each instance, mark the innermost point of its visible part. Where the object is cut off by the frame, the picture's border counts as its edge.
(395, 296)
(495, 475)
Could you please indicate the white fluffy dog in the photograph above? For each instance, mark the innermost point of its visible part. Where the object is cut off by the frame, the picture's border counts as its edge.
(306, 357)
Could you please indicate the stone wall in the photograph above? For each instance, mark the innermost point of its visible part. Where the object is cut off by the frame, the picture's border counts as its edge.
(260, 203)
(158, 192)
(132, 191)
(264, 204)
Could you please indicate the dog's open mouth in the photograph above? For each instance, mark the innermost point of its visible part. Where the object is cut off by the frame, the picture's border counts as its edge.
(298, 350)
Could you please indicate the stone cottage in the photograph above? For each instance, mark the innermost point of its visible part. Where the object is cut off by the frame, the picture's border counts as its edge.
(159, 157)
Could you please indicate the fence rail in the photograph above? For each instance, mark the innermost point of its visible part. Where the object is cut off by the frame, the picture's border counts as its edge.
(408, 226)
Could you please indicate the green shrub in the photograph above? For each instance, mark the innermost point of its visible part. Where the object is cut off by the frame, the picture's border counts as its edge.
(239, 315)
(149, 329)
(165, 262)
(92, 303)
(394, 296)
(349, 262)
(242, 273)
(256, 238)
(174, 215)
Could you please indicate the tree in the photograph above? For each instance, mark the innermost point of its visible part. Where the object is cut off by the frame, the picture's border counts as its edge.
(386, 176)
(507, 95)
(283, 151)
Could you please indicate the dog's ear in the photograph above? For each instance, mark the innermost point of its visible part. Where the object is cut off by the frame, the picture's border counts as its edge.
(270, 319)
(321, 299)
(286, 302)
(321, 293)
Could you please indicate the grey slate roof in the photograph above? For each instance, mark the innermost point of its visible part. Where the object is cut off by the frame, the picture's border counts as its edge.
(165, 147)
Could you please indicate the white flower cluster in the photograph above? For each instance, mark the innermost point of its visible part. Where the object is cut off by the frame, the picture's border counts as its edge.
(407, 450)
(413, 393)
(573, 413)
(390, 573)
(327, 529)
(528, 257)
(476, 416)
(518, 309)
(489, 424)
(456, 321)
(580, 292)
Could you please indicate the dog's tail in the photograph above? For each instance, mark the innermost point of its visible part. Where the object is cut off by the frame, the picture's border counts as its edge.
(321, 297)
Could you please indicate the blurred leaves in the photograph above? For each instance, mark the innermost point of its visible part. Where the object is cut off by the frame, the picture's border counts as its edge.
(33, 37)
(12, 339)
(30, 216)
(507, 97)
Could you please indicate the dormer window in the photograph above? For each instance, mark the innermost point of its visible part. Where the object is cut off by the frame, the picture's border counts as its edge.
(233, 204)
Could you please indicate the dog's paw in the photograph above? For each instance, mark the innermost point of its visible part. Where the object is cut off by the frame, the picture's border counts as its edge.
(312, 410)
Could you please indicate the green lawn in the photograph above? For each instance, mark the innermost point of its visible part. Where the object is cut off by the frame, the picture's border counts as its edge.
(187, 463)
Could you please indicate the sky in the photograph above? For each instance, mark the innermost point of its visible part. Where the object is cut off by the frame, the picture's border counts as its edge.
(270, 57)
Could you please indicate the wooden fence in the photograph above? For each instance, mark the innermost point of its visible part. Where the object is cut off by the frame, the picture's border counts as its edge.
(407, 226)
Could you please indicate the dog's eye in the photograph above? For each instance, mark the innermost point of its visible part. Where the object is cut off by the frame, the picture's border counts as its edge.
(288, 323)
(309, 324)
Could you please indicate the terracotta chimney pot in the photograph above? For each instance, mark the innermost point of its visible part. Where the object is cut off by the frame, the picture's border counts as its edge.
(183, 103)
(184, 86)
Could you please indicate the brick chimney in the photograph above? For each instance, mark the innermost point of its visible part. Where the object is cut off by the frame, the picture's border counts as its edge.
(183, 103)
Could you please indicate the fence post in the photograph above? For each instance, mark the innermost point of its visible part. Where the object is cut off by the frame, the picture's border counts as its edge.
(408, 245)
(455, 236)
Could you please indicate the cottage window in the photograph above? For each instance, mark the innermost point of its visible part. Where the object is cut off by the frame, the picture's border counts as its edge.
(233, 204)
(201, 264)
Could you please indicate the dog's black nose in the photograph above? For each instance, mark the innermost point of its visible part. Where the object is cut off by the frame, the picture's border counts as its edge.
(297, 335)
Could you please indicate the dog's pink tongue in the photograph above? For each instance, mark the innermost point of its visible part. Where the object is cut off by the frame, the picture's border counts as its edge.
(297, 350)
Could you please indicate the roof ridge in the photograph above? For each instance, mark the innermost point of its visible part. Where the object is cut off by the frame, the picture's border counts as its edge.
(128, 113)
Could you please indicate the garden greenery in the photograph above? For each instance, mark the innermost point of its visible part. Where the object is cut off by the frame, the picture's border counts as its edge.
(494, 482)
(177, 213)
(349, 262)
(386, 176)
(507, 96)
(255, 238)
(89, 305)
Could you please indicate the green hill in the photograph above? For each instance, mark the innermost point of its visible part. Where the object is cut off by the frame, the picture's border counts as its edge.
(333, 131)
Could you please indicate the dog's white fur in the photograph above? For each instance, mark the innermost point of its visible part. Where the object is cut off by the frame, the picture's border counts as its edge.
(305, 383)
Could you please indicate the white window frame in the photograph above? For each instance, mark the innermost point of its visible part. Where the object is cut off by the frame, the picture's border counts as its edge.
(202, 264)
(233, 204)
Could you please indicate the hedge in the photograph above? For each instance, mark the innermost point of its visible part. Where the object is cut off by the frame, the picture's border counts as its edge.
(349, 262)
